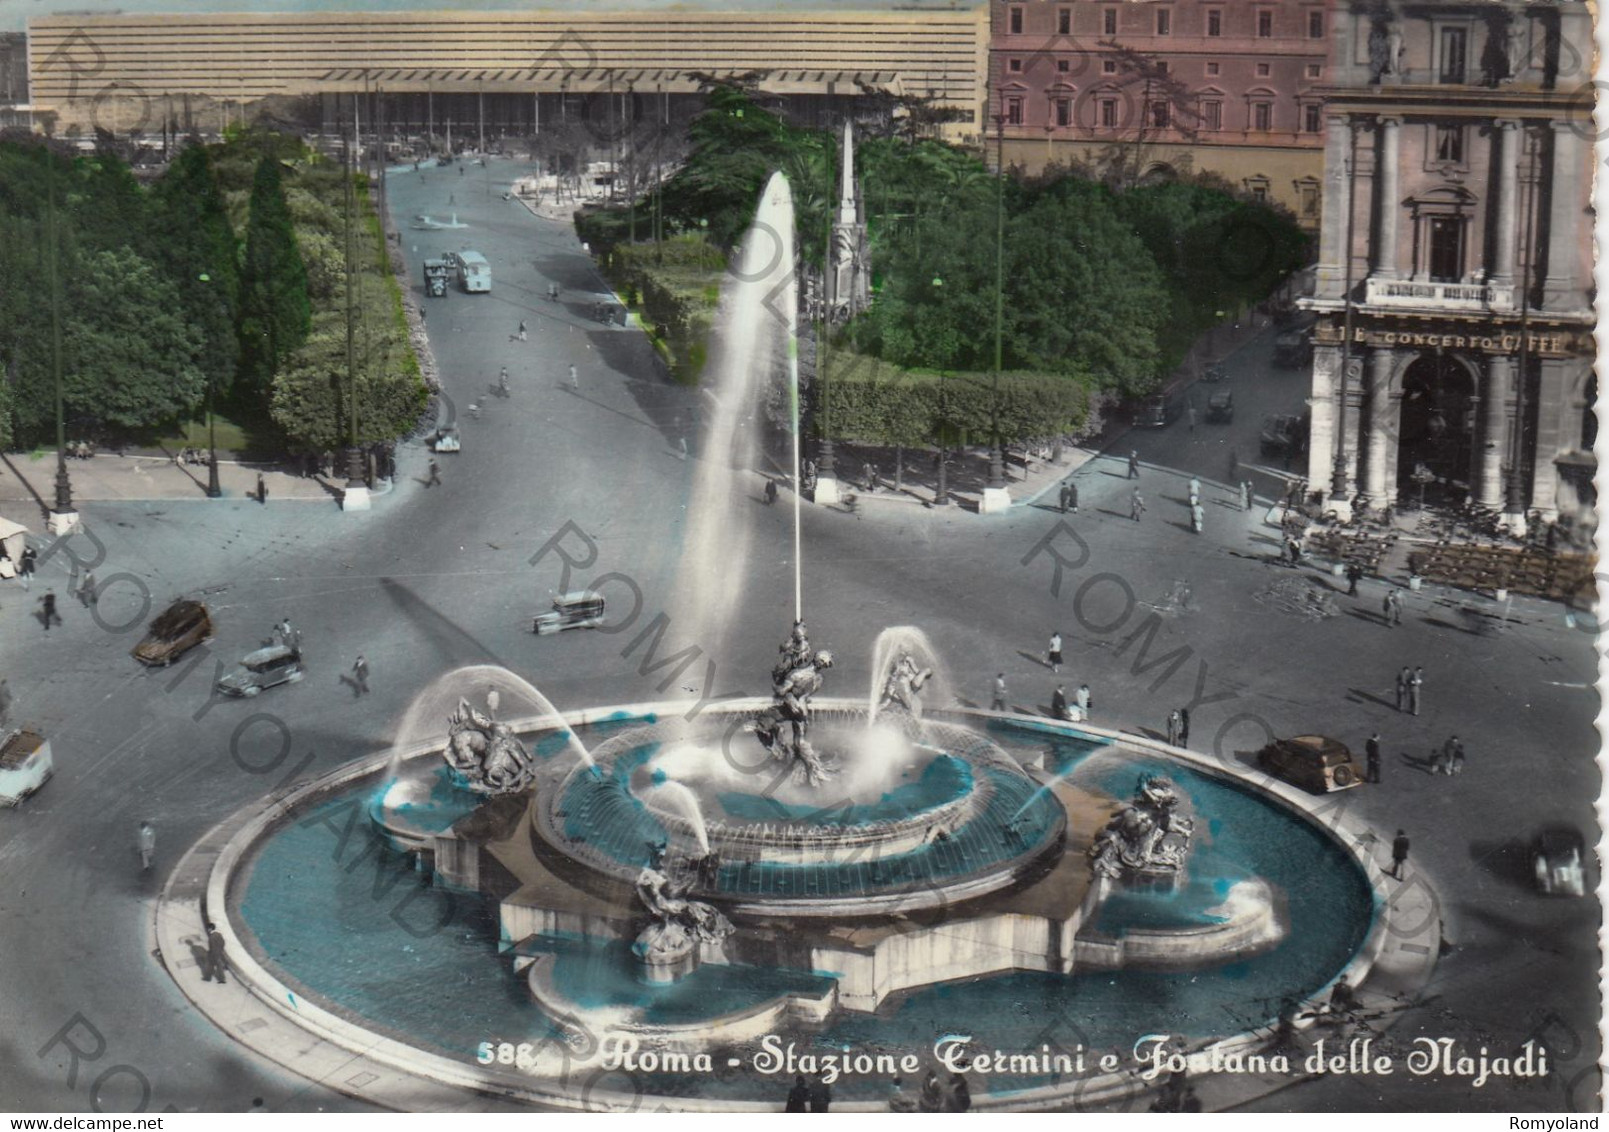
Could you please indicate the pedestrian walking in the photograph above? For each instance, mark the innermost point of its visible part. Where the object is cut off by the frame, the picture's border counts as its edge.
(1245, 495)
(1404, 678)
(1371, 752)
(898, 1099)
(1058, 703)
(522, 330)
(1136, 505)
(1452, 756)
(932, 1098)
(5, 701)
(770, 491)
(959, 1098)
(1415, 682)
(25, 567)
(145, 845)
(1134, 465)
(262, 489)
(998, 701)
(798, 1096)
(820, 1094)
(1195, 491)
(1354, 575)
(1061, 497)
(1053, 653)
(1393, 608)
(86, 589)
(575, 381)
(1173, 728)
(435, 474)
(682, 442)
(1072, 498)
(1399, 854)
(1081, 697)
(1293, 547)
(49, 602)
(1198, 517)
(1190, 415)
(360, 675)
(214, 962)
(1184, 727)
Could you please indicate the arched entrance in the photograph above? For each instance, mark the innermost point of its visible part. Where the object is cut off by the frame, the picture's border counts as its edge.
(1436, 438)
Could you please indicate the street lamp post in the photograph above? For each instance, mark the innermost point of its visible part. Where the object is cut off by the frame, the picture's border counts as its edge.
(355, 497)
(63, 519)
(941, 497)
(214, 490)
(995, 495)
(1349, 369)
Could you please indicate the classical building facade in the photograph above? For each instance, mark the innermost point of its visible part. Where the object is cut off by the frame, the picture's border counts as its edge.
(506, 70)
(1163, 86)
(1454, 287)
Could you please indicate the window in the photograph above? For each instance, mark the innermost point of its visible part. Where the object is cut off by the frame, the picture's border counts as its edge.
(1064, 21)
(1063, 112)
(1314, 70)
(1013, 111)
(1215, 22)
(1262, 115)
(1014, 21)
(1162, 67)
(1108, 66)
(1259, 193)
(1212, 115)
(1164, 21)
(1307, 199)
(1446, 240)
(1315, 25)
(1263, 70)
(1109, 21)
(1063, 66)
(1450, 144)
(1265, 24)
(1159, 115)
(1313, 118)
(1108, 109)
(1014, 66)
(1212, 70)
(1453, 43)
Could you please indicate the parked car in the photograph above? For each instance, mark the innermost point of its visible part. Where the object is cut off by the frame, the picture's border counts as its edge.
(446, 440)
(1558, 854)
(1313, 762)
(26, 764)
(582, 609)
(176, 630)
(1156, 410)
(278, 664)
(1214, 373)
(1293, 348)
(1221, 406)
(1284, 435)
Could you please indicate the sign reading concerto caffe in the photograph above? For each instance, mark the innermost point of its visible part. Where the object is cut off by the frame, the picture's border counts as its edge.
(1547, 344)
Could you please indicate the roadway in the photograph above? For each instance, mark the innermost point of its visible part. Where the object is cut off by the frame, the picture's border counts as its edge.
(436, 577)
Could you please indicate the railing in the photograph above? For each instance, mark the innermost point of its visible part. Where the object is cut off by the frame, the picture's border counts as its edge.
(1439, 296)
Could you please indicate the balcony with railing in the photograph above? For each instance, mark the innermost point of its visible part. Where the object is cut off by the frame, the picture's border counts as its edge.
(1437, 296)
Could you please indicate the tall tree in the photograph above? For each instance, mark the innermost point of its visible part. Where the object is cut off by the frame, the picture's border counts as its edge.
(275, 312)
(200, 255)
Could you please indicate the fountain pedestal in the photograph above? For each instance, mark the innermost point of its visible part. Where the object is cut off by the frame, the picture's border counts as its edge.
(827, 492)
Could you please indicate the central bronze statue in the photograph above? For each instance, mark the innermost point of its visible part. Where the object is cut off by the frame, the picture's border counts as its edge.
(796, 678)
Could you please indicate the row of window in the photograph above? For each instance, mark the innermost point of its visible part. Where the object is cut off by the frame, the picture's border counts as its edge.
(1014, 66)
(1213, 22)
(1159, 114)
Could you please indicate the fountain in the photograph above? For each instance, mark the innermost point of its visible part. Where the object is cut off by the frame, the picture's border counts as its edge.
(690, 881)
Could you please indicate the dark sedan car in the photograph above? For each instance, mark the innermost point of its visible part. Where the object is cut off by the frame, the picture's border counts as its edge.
(1283, 435)
(176, 630)
(1313, 762)
(1293, 348)
(1558, 854)
(277, 664)
(1221, 406)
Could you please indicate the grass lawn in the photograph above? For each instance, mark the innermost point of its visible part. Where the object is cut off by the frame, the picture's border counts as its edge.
(232, 438)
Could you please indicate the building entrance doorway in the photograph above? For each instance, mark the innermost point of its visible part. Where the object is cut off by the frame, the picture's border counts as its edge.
(1436, 438)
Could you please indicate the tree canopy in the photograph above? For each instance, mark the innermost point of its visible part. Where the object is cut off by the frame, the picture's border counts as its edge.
(275, 312)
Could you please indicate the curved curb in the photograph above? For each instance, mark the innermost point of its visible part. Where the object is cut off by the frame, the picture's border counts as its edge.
(274, 1021)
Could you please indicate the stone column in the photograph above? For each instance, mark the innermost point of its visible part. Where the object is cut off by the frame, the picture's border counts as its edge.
(1387, 143)
(1382, 425)
(1506, 158)
(1495, 403)
(1567, 225)
(1321, 435)
(1331, 275)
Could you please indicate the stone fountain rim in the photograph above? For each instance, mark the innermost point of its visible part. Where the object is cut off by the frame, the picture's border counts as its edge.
(241, 832)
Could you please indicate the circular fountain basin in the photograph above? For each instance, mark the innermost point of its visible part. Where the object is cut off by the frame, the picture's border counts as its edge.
(909, 822)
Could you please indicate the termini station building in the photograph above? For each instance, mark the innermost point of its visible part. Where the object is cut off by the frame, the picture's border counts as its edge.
(1454, 348)
(506, 71)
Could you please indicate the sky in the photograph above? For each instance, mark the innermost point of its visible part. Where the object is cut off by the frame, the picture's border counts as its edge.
(14, 14)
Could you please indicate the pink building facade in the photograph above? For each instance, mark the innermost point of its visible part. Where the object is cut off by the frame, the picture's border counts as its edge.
(1454, 350)
(1165, 86)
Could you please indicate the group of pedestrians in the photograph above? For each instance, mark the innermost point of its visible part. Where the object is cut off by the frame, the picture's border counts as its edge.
(935, 1095)
(1078, 711)
(1179, 727)
(1409, 683)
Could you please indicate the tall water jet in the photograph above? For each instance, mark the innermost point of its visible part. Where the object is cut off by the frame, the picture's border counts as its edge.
(756, 322)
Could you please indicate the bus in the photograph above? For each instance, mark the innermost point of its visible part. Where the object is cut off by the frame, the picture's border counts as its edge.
(474, 273)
